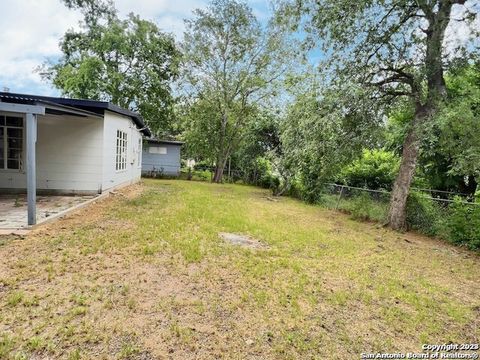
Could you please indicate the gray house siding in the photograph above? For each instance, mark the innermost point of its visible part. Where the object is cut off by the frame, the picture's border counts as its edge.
(165, 164)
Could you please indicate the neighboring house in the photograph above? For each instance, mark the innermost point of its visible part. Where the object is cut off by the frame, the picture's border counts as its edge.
(59, 145)
(161, 157)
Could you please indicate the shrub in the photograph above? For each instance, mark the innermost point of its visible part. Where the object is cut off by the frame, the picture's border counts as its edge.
(424, 215)
(264, 175)
(294, 188)
(376, 169)
(363, 207)
(202, 166)
(464, 224)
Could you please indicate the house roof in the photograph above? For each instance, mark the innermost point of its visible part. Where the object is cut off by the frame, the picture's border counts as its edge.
(164, 141)
(80, 107)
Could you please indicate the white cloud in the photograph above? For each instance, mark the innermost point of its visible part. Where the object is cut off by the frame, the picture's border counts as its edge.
(31, 31)
(460, 33)
(168, 14)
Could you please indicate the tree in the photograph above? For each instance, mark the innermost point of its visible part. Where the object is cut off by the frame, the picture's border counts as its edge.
(376, 169)
(259, 147)
(397, 48)
(232, 64)
(454, 134)
(320, 135)
(450, 156)
(130, 63)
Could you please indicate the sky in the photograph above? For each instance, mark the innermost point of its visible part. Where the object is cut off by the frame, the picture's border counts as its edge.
(31, 31)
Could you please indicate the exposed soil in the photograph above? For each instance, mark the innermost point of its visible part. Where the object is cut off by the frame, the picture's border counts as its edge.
(242, 240)
(112, 281)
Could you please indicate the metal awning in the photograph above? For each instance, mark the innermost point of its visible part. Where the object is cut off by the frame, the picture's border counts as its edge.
(49, 106)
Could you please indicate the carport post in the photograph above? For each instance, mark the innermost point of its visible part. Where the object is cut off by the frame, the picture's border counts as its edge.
(31, 168)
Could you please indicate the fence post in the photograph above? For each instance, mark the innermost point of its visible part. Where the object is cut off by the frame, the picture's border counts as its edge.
(339, 197)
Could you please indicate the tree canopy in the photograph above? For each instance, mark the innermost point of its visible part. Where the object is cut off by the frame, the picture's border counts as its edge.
(129, 62)
(394, 49)
(231, 65)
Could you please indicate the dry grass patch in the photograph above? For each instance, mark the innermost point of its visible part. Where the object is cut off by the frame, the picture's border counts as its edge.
(144, 275)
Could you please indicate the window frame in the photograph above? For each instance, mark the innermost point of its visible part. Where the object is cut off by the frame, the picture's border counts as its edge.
(158, 152)
(4, 166)
(121, 149)
(139, 153)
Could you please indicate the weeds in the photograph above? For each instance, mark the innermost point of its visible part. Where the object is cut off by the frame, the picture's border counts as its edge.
(153, 266)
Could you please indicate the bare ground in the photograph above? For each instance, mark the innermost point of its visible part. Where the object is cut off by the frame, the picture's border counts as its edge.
(143, 275)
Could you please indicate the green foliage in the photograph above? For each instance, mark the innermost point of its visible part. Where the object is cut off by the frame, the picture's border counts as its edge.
(232, 63)
(319, 136)
(376, 169)
(128, 62)
(458, 123)
(363, 207)
(464, 224)
(450, 148)
(424, 215)
(254, 159)
(264, 176)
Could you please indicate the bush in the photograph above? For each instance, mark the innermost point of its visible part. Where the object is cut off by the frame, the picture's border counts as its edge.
(363, 207)
(202, 166)
(464, 224)
(196, 175)
(294, 189)
(264, 175)
(424, 215)
(376, 169)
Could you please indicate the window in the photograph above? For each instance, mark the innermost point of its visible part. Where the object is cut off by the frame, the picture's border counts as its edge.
(11, 142)
(121, 158)
(139, 153)
(157, 150)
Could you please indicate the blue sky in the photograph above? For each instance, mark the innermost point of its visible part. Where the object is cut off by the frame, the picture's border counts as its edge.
(31, 30)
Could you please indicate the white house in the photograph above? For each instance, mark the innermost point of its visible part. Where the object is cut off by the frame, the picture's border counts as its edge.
(59, 145)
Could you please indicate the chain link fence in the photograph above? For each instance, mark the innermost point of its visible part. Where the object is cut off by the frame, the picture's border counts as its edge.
(426, 209)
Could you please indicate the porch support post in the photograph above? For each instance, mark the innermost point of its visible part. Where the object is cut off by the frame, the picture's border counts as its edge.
(31, 168)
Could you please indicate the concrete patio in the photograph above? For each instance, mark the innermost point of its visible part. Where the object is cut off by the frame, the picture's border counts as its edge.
(13, 208)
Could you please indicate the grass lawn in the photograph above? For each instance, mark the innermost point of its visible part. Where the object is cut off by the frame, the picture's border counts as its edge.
(144, 275)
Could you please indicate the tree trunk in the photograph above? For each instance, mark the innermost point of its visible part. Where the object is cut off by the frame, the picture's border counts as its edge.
(397, 214)
(219, 167)
(221, 156)
(436, 90)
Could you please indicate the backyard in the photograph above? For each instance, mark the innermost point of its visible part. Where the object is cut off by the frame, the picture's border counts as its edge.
(144, 274)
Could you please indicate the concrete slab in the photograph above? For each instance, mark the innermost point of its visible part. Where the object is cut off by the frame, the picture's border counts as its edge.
(242, 240)
(13, 208)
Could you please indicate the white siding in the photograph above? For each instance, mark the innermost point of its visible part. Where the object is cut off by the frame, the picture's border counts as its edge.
(69, 155)
(112, 177)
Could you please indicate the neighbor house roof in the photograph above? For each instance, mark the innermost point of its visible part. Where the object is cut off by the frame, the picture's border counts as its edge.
(80, 107)
(164, 141)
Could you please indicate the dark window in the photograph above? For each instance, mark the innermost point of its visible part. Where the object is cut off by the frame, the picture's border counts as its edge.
(11, 142)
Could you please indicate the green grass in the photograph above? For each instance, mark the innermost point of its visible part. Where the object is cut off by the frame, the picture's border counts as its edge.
(146, 274)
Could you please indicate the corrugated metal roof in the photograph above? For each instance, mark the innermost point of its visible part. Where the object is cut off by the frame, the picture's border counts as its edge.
(91, 107)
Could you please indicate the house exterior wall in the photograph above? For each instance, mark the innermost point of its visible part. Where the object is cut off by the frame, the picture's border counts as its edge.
(111, 176)
(167, 164)
(69, 156)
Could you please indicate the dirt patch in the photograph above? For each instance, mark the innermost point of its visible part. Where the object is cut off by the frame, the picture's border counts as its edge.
(242, 240)
(129, 192)
(116, 280)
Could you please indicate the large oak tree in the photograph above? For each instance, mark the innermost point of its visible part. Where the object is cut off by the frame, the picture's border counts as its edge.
(395, 48)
